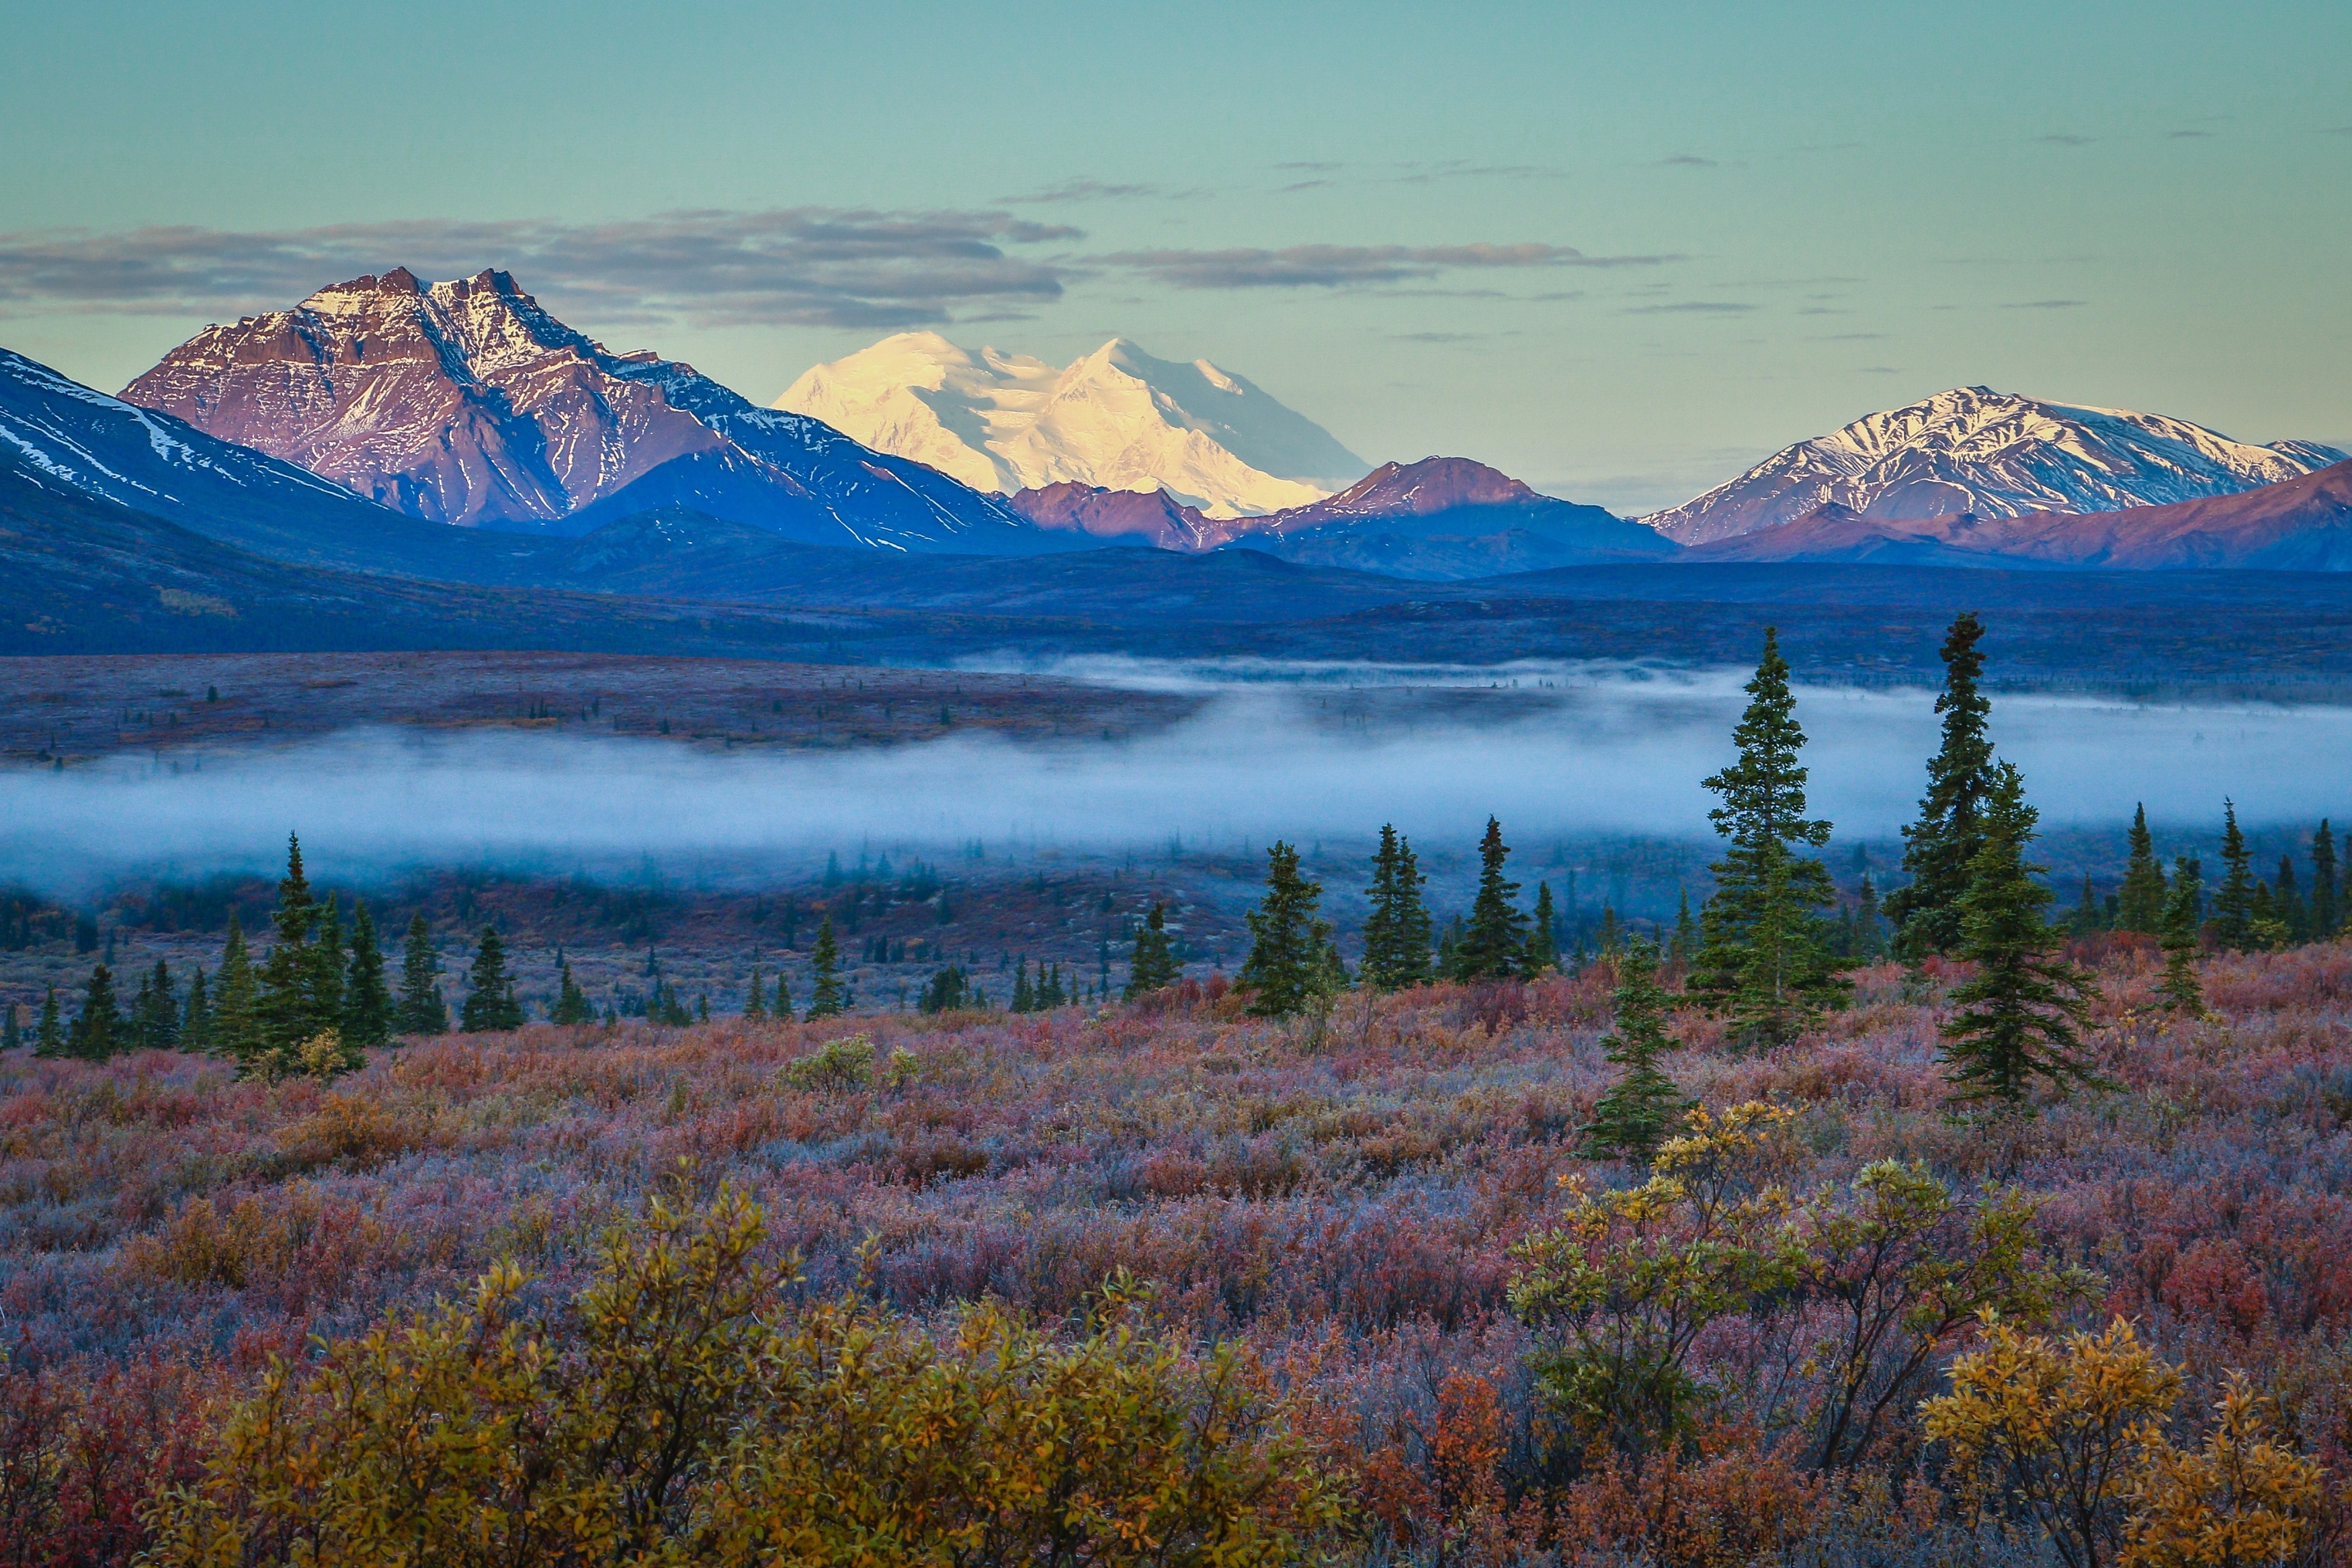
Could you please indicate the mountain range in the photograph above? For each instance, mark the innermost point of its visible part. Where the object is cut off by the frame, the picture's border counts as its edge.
(2303, 524)
(1117, 419)
(466, 403)
(1985, 454)
(350, 431)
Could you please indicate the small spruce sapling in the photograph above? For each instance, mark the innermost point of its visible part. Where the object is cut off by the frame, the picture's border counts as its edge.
(1644, 1106)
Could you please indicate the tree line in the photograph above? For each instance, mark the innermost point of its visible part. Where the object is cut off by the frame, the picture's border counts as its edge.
(1769, 950)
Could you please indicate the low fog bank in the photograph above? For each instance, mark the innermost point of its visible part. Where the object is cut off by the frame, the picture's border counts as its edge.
(1614, 756)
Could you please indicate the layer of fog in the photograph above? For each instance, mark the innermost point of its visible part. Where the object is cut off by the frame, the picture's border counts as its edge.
(1621, 754)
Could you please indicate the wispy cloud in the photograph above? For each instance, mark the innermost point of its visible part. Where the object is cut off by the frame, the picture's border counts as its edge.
(1687, 161)
(2187, 135)
(1690, 308)
(1461, 170)
(2045, 304)
(2066, 138)
(1309, 166)
(1082, 191)
(1344, 265)
(813, 265)
(1848, 336)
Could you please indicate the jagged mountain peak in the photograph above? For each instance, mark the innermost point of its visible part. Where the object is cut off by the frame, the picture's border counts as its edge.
(1998, 455)
(465, 401)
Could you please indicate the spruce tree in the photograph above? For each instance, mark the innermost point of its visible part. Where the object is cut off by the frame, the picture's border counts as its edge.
(2293, 913)
(197, 1018)
(2234, 900)
(1761, 958)
(1869, 936)
(783, 1006)
(490, 1003)
(237, 1024)
(2327, 912)
(2179, 987)
(1025, 995)
(2140, 901)
(12, 1034)
(422, 1010)
(827, 996)
(1396, 929)
(755, 1004)
(1942, 845)
(571, 1004)
(153, 1023)
(1542, 953)
(949, 991)
(1685, 945)
(50, 1039)
(2019, 1017)
(2266, 927)
(367, 1004)
(287, 982)
(1495, 939)
(2084, 921)
(1288, 965)
(1154, 965)
(1644, 1106)
(98, 1033)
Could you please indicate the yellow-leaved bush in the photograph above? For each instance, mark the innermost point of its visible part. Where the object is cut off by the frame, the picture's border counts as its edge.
(681, 1410)
(2073, 1431)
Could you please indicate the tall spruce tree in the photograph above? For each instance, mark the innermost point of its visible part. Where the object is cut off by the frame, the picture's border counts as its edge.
(237, 1024)
(1153, 966)
(1397, 927)
(828, 997)
(1869, 933)
(367, 1003)
(99, 1032)
(2234, 900)
(1289, 965)
(1685, 945)
(291, 1005)
(1761, 959)
(2019, 1017)
(755, 1000)
(2326, 905)
(490, 1003)
(1942, 845)
(2179, 987)
(1644, 1106)
(1495, 939)
(12, 1033)
(422, 1010)
(49, 1035)
(1543, 951)
(155, 1016)
(2139, 904)
(196, 1017)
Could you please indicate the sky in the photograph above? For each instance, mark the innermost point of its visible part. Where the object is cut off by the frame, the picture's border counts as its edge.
(1620, 252)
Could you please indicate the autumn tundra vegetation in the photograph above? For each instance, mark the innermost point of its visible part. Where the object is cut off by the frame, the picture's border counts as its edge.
(1961, 1234)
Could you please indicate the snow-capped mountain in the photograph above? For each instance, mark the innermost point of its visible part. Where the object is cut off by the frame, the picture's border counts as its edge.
(466, 403)
(1995, 455)
(1116, 420)
(62, 437)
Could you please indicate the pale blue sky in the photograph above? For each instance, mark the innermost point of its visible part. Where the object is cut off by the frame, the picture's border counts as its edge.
(1799, 213)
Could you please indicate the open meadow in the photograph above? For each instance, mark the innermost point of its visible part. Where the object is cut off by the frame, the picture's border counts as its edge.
(1339, 1198)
